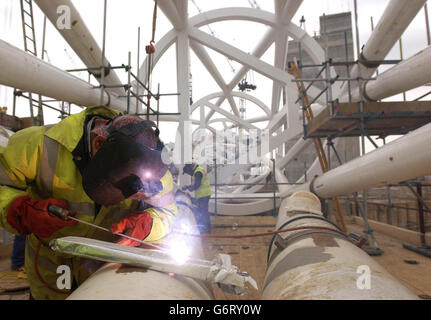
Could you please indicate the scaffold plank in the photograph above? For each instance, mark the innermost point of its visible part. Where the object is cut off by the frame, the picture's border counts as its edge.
(380, 118)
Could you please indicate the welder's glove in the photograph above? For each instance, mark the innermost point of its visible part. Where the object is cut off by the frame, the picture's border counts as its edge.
(137, 225)
(28, 216)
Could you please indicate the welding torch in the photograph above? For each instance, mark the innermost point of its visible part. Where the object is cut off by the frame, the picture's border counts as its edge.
(65, 215)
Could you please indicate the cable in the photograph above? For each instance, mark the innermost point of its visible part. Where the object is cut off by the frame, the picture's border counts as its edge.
(296, 219)
(214, 236)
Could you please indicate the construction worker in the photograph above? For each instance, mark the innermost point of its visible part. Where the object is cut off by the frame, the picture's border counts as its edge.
(202, 193)
(175, 172)
(101, 165)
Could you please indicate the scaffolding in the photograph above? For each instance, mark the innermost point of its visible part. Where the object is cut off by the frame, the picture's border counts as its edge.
(148, 94)
(363, 118)
(30, 46)
(131, 91)
(325, 69)
(271, 184)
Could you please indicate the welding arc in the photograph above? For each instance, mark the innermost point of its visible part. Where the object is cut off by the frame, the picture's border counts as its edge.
(65, 214)
(144, 244)
(241, 236)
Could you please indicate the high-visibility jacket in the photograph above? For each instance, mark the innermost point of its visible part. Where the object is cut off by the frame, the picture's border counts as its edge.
(204, 189)
(38, 162)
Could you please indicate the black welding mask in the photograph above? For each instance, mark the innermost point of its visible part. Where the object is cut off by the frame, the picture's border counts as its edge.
(123, 167)
(189, 169)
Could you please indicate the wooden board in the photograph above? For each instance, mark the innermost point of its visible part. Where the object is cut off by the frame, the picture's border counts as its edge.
(416, 277)
(381, 118)
(10, 122)
(11, 289)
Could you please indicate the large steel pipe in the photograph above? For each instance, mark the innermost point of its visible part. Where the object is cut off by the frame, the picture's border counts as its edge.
(322, 263)
(394, 21)
(403, 159)
(121, 282)
(118, 282)
(81, 41)
(409, 74)
(30, 74)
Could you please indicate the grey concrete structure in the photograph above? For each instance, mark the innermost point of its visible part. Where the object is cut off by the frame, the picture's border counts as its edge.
(340, 48)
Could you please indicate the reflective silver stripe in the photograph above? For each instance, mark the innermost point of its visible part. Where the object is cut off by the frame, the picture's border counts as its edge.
(83, 208)
(4, 179)
(48, 163)
(43, 262)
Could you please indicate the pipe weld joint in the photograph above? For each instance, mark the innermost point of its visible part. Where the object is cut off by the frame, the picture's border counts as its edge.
(365, 94)
(109, 99)
(106, 71)
(366, 63)
(312, 190)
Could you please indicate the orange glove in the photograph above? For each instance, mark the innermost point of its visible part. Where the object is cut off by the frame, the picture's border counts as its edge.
(137, 225)
(28, 216)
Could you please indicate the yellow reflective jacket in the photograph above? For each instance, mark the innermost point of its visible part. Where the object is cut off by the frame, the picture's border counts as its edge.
(38, 162)
(204, 189)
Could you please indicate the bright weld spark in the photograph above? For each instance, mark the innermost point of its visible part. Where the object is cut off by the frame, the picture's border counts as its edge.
(179, 249)
(147, 174)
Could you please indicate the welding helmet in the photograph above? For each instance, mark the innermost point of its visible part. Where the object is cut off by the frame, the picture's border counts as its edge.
(189, 168)
(124, 166)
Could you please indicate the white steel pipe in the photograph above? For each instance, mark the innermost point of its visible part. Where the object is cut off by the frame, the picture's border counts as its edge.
(30, 74)
(322, 263)
(409, 74)
(406, 158)
(243, 208)
(394, 21)
(121, 282)
(118, 282)
(170, 10)
(289, 10)
(81, 41)
(281, 179)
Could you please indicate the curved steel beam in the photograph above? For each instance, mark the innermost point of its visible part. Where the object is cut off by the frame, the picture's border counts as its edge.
(238, 94)
(259, 16)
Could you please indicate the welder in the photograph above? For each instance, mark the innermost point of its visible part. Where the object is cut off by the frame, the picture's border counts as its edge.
(103, 166)
(202, 193)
